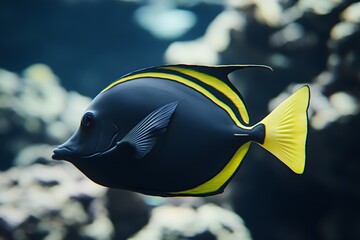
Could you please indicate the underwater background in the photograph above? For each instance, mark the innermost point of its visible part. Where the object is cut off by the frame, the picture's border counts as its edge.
(55, 56)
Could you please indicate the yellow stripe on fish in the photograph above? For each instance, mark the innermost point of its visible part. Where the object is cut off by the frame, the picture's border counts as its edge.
(221, 178)
(217, 84)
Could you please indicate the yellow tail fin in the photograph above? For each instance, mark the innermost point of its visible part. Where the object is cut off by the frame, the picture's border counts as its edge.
(286, 130)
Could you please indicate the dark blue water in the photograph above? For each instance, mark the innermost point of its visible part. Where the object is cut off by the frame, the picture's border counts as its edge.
(88, 44)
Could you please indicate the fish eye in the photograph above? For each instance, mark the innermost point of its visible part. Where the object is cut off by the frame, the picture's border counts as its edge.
(88, 119)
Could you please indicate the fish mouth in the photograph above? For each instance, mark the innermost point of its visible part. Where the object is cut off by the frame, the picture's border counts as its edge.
(62, 153)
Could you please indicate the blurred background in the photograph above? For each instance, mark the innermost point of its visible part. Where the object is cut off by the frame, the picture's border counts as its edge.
(55, 56)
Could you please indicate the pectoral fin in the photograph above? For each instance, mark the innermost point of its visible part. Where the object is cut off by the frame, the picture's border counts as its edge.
(143, 136)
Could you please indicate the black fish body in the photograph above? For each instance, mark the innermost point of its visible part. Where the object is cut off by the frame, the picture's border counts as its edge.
(170, 131)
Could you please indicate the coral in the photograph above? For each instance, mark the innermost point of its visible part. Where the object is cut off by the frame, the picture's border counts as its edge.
(181, 222)
(51, 201)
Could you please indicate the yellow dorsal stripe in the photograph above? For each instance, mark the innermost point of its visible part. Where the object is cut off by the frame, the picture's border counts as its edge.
(184, 81)
(222, 177)
(218, 85)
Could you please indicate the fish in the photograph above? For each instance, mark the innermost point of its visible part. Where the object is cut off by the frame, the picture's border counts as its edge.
(180, 130)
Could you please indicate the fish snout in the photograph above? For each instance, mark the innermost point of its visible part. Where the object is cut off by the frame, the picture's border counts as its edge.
(63, 153)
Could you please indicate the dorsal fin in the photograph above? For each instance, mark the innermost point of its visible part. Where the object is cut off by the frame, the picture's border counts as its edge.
(211, 81)
(219, 71)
